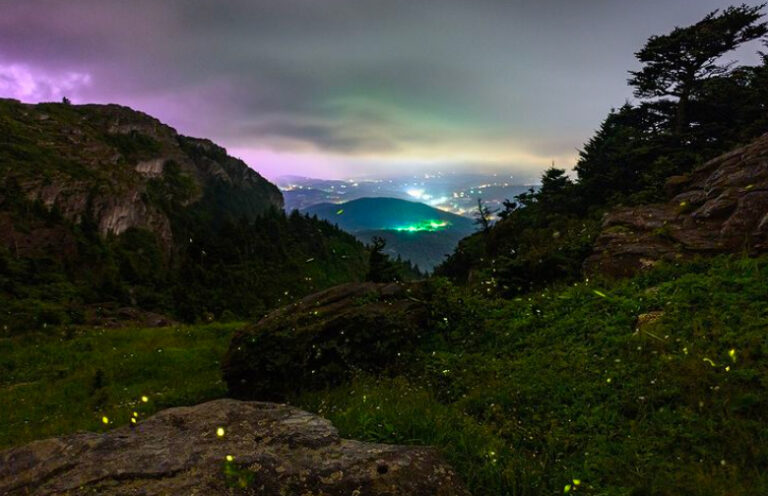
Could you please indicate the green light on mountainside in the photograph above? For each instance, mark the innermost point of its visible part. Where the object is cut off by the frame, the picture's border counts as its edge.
(426, 225)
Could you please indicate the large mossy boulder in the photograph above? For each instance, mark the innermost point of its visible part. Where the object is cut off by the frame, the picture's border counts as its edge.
(323, 338)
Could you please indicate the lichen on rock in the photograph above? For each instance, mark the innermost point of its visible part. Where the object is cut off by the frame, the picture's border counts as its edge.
(265, 449)
(721, 207)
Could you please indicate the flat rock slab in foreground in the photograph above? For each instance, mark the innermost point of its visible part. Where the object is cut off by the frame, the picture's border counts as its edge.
(276, 450)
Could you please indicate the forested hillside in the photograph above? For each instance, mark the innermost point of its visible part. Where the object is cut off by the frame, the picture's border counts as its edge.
(103, 207)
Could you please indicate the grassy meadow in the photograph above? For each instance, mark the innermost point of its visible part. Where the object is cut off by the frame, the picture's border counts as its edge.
(561, 391)
(62, 380)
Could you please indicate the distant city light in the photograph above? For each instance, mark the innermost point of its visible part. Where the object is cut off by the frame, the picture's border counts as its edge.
(417, 193)
(436, 201)
(426, 225)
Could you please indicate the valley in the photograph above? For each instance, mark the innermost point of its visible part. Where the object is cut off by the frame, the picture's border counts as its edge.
(413, 231)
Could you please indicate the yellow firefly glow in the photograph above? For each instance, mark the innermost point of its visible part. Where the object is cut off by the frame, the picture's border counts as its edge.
(220, 432)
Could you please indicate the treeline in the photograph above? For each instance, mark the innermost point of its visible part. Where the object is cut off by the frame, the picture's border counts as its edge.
(237, 269)
(691, 107)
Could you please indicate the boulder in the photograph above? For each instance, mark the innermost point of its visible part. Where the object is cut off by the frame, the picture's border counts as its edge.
(721, 207)
(265, 449)
(321, 339)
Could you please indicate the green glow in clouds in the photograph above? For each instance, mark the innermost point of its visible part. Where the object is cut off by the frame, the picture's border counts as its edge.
(426, 225)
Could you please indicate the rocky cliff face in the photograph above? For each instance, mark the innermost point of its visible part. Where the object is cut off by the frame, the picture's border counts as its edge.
(119, 168)
(721, 207)
(262, 449)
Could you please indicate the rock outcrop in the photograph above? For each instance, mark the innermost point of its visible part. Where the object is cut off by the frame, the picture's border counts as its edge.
(721, 207)
(319, 340)
(119, 168)
(264, 449)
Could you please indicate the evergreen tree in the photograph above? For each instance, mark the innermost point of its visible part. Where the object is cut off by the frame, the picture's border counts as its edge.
(678, 63)
(483, 215)
(380, 268)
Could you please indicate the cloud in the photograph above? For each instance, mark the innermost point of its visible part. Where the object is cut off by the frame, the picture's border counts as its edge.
(353, 83)
(33, 85)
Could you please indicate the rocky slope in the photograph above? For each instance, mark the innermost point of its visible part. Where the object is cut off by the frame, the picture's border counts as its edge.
(263, 449)
(721, 207)
(103, 205)
(119, 167)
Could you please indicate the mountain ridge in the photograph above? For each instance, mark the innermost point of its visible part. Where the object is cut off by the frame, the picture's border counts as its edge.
(107, 207)
(105, 160)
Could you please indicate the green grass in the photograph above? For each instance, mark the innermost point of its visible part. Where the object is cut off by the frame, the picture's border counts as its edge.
(525, 396)
(521, 396)
(62, 380)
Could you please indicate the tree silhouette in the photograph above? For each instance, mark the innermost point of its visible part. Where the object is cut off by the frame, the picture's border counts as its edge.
(509, 207)
(380, 268)
(677, 63)
(483, 215)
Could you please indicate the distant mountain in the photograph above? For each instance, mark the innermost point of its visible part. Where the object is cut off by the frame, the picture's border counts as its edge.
(424, 249)
(453, 192)
(414, 231)
(367, 214)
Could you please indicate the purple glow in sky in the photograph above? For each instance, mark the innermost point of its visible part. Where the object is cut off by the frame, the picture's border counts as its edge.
(341, 88)
(27, 84)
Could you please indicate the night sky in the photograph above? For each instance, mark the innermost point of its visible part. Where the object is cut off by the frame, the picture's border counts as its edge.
(337, 88)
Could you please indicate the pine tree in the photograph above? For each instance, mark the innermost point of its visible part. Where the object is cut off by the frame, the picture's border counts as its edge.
(677, 63)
